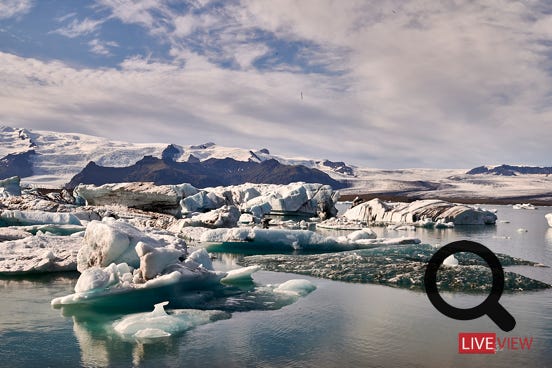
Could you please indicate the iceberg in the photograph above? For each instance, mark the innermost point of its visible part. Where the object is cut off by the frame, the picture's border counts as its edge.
(19, 218)
(263, 199)
(111, 241)
(10, 187)
(424, 213)
(289, 240)
(39, 254)
(141, 195)
(7, 233)
(162, 273)
(159, 323)
(548, 217)
(524, 206)
(225, 216)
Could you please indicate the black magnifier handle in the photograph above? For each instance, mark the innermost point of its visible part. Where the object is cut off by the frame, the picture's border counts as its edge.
(502, 317)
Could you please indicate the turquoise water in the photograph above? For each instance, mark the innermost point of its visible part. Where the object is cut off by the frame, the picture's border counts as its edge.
(338, 324)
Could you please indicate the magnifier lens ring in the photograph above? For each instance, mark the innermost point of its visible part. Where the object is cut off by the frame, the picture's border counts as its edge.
(430, 280)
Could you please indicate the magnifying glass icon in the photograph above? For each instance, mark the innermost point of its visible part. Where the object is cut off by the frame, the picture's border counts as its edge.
(490, 306)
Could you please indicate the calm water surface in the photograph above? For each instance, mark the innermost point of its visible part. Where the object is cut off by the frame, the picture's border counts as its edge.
(339, 324)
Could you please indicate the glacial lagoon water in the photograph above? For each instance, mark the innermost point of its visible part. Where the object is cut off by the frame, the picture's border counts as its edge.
(338, 324)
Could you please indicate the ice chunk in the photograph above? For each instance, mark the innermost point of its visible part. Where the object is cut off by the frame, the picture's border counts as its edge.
(240, 275)
(299, 287)
(161, 324)
(524, 206)
(202, 201)
(7, 233)
(199, 257)
(153, 261)
(39, 254)
(450, 261)
(362, 234)
(225, 216)
(111, 241)
(92, 278)
(144, 196)
(10, 187)
(419, 213)
(286, 239)
(18, 218)
(548, 217)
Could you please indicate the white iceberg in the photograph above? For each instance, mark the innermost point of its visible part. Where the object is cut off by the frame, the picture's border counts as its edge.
(10, 187)
(159, 268)
(524, 206)
(262, 199)
(423, 213)
(141, 195)
(7, 233)
(19, 218)
(548, 217)
(159, 323)
(111, 241)
(39, 254)
(296, 287)
(225, 216)
(286, 239)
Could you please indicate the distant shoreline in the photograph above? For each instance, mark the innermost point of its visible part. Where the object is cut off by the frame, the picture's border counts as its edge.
(538, 200)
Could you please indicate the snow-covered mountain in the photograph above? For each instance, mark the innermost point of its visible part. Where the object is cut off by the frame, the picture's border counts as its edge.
(51, 159)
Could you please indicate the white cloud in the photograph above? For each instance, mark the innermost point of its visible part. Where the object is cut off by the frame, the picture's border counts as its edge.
(13, 8)
(417, 83)
(100, 47)
(79, 28)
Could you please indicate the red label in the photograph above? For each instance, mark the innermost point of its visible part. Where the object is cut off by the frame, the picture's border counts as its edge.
(476, 343)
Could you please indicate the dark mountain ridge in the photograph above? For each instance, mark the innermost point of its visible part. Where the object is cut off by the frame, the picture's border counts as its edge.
(208, 173)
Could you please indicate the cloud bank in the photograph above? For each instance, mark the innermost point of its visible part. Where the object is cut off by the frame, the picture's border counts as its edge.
(384, 83)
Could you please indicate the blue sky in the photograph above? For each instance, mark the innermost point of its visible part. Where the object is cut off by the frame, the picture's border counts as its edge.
(386, 84)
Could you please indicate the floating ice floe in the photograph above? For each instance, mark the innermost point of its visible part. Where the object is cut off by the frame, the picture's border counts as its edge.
(7, 233)
(39, 254)
(402, 266)
(10, 187)
(159, 323)
(159, 268)
(524, 206)
(423, 213)
(548, 217)
(19, 218)
(110, 241)
(285, 239)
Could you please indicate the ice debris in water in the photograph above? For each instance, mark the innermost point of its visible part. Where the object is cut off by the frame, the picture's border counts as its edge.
(161, 324)
(450, 261)
(298, 287)
(401, 266)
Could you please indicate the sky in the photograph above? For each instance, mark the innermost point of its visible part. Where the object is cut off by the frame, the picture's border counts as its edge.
(387, 84)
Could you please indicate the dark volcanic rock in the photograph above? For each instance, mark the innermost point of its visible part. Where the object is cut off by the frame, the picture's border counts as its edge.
(510, 170)
(16, 164)
(212, 172)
